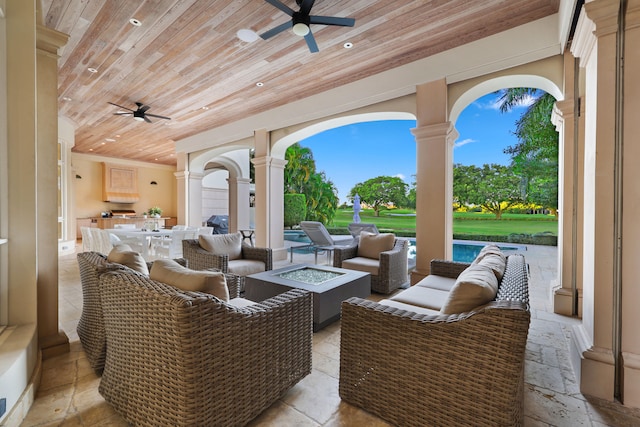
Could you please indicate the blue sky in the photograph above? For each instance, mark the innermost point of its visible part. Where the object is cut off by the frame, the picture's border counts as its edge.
(355, 153)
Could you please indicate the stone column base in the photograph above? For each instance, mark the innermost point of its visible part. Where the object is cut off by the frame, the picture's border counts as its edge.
(54, 345)
(593, 366)
(631, 379)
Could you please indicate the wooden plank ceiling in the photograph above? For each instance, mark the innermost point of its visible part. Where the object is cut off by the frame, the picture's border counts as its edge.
(186, 61)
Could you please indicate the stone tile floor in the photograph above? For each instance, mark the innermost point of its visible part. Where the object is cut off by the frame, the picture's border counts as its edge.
(68, 393)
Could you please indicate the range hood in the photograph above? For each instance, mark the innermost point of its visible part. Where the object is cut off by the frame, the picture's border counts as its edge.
(119, 184)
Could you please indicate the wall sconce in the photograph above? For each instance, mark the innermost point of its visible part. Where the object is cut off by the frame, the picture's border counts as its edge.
(153, 183)
(78, 176)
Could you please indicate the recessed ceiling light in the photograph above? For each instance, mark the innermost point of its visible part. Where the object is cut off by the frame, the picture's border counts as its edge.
(348, 45)
(92, 70)
(205, 108)
(135, 22)
(259, 84)
(247, 35)
(66, 98)
(117, 136)
(110, 140)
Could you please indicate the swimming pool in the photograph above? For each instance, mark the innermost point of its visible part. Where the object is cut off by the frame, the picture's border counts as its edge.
(463, 251)
(467, 251)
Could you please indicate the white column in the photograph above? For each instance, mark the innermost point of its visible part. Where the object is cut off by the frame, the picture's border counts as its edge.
(592, 350)
(567, 296)
(194, 184)
(239, 191)
(434, 178)
(53, 341)
(630, 316)
(182, 187)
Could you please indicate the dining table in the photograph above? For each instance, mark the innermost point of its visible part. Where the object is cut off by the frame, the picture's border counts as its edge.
(143, 236)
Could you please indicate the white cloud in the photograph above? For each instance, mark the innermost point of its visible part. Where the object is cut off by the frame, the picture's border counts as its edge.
(463, 142)
(399, 175)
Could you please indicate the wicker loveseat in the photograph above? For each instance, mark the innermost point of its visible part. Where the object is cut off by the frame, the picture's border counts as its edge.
(415, 367)
(184, 358)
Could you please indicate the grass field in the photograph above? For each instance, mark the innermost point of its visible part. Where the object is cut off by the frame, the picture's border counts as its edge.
(463, 223)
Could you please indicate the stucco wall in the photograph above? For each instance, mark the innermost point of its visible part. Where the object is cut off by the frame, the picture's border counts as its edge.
(87, 184)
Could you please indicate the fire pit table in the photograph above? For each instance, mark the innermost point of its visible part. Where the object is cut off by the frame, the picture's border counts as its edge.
(329, 286)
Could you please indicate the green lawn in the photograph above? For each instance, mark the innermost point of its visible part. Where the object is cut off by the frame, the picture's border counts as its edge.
(463, 223)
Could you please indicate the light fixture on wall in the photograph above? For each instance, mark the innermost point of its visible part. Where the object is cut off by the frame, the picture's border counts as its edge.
(153, 183)
(78, 176)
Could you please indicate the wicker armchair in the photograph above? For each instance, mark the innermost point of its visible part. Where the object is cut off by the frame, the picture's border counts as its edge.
(391, 267)
(183, 358)
(425, 370)
(91, 325)
(200, 259)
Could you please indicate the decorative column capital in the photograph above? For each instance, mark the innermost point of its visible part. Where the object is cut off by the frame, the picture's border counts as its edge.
(437, 131)
(604, 14)
(181, 174)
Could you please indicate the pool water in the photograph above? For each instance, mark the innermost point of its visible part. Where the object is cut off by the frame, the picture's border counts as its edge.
(465, 252)
(462, 252)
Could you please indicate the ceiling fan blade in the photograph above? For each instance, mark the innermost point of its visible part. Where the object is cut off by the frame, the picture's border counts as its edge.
(146, 119)
(120, 106)
(280, 28)
(332, 20)
(142, 108)
(159, 117)
(122, 114)
(283, 7)
(311, 42)
(305, 7)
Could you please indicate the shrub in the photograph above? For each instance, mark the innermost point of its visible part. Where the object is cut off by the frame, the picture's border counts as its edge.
(295, 209)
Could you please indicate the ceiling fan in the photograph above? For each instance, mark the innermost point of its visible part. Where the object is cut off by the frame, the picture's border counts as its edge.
(301, 20)
(140, 114)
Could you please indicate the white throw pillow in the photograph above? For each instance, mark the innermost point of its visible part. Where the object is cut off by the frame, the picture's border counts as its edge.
(475, 286)
(129, 258)
(222, 244)
(170, 272)
(370, 245)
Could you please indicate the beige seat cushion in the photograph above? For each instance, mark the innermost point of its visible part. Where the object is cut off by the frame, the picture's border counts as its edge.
(437, 282)
(420, 296)
(129, 258)
(409, 307)
(170, 272)
(222, 244)
(245, 267)
(476, 286)
(367, 265)
(371, 245)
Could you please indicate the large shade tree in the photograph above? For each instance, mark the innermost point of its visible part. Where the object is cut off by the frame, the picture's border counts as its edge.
(381, 191)
(493, 187)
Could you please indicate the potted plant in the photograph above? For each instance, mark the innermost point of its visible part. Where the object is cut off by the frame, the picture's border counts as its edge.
(155, 212)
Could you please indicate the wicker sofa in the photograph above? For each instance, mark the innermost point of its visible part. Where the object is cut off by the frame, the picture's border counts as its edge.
(184, 358)
(413, 366)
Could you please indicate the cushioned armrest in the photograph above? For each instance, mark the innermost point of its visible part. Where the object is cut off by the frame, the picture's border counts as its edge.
(444, 268)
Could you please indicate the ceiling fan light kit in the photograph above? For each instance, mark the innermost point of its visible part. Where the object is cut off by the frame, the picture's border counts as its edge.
(140, 114)
(301, 21)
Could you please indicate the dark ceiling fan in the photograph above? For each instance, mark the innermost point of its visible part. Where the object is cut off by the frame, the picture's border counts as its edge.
(301, 20)
(140, 114)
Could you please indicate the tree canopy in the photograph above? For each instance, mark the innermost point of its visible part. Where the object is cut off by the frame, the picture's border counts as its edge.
(380, 191)
(535, 156)
(493, 187)
(301, 177)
